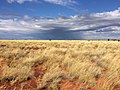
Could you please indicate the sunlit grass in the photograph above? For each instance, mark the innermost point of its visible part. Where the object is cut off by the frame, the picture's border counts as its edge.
(96, 63)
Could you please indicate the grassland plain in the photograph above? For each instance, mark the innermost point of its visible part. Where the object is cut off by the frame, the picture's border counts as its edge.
(59, 65)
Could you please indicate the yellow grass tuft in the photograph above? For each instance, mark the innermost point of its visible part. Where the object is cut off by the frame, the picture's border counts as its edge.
(96, 63)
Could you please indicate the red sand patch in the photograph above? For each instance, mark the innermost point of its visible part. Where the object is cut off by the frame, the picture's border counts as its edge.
(30, 84)
(73, 85)
(39, 71)
(8, 86)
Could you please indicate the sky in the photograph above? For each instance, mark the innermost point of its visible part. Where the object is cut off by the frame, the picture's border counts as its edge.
(56, 7)
(59, 19)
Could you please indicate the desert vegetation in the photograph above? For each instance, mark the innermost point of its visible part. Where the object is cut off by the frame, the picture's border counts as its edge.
(59, 65)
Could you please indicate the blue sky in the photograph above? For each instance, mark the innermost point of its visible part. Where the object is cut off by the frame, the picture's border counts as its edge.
(54, 8)
(85, 19)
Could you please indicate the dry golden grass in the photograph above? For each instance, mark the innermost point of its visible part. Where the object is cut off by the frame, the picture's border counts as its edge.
(94, 63)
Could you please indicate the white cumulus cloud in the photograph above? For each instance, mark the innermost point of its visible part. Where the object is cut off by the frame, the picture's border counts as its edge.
(20, 1)
(59, 2)
(93, 26)
(62, 2)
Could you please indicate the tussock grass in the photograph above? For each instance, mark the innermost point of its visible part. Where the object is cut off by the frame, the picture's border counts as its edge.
(96, 63)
